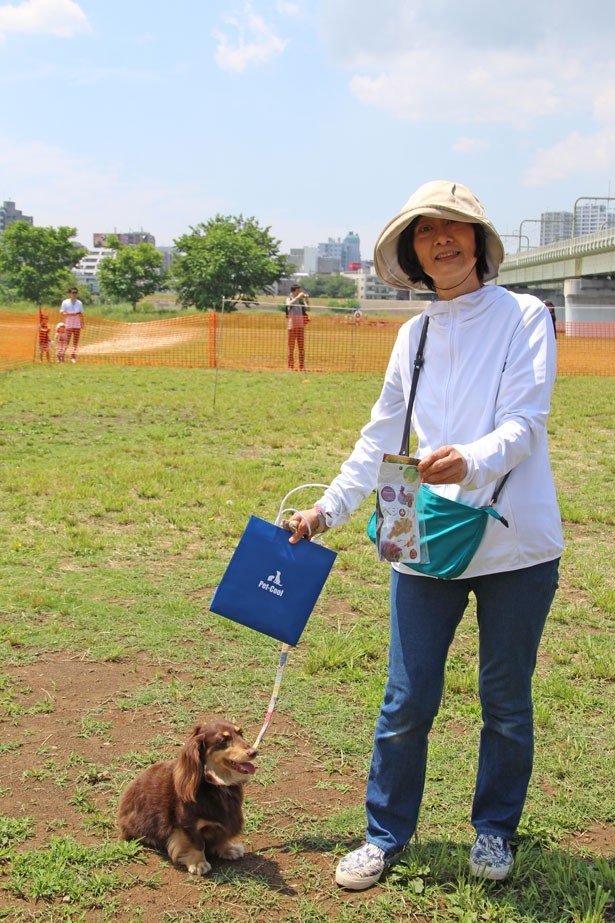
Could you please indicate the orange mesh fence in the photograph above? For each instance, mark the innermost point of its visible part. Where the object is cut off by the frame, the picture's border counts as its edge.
(332, 344)
(586, 348)
(18, 339)
(259, 340)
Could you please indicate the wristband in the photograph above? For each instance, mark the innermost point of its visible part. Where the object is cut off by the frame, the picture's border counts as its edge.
(322, 522)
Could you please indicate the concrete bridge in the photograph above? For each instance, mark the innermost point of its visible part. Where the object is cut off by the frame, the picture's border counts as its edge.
(577, 274)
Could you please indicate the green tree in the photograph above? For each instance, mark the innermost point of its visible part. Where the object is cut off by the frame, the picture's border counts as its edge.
(321, 286)
(226, 257)
(133, 273)
(35, 262)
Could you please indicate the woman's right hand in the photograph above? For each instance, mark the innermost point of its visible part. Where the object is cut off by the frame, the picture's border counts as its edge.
(304, 524)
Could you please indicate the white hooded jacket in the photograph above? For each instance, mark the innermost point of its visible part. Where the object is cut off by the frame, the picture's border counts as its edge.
(485, 387)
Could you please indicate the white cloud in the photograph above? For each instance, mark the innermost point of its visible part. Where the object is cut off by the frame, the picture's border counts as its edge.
(35, 160)
(435, 62)
(287, 8)
(576, 154)
(62, 18)
(471, 145)
(551, 72)
(357, 33)
(254, 42)
(502, 88)
(58, 188)
(604, 104)
(582, 153)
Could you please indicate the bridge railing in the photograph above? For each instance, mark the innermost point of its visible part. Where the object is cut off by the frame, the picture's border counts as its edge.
(598, 242)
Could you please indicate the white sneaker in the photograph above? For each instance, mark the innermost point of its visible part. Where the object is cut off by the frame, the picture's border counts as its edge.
(491, 857)
(361, 868)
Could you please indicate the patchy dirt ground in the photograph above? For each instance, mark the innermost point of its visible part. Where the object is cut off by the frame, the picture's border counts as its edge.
(43, 757)
(42, 760)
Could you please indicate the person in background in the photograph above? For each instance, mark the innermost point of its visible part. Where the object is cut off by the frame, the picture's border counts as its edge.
(297, 315)
(481, 411)
(72, 309)
(61, 341)
(44, 338)
(549, 305)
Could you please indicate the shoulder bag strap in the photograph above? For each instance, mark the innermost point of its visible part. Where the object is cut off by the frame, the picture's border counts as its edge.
(498, 489)
(405, 439)
(418, 364)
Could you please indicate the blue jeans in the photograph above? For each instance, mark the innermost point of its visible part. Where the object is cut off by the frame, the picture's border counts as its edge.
(512, 608)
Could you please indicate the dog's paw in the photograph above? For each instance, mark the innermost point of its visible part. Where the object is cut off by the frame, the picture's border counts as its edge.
(200, 868)
(232, 851)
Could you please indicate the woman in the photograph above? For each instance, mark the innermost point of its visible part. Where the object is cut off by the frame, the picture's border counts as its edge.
(480, 411)
(72, 309)
(296, 309)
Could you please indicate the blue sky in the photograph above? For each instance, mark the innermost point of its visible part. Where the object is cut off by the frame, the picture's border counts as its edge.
(316, 117)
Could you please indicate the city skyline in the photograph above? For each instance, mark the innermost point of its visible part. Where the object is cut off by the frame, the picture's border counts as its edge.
(595, 214)
(311, 116)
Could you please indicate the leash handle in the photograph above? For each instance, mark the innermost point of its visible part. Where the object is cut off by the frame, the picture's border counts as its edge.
(282, 510)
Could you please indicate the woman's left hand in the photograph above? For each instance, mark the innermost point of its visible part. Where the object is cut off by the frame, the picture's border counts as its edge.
(444, 466)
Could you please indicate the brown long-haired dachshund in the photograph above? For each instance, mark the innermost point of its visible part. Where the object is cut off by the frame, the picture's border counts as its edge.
(194, 804)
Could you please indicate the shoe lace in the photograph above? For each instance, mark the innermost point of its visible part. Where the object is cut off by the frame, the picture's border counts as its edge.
(495, 845)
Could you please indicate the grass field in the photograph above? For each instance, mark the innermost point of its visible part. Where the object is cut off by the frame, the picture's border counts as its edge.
(123, 494)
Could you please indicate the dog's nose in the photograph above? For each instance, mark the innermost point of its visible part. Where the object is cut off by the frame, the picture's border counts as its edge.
(252, 752)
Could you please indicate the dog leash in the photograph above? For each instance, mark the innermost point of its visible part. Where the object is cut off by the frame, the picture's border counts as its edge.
(274, 695)
(285, 649)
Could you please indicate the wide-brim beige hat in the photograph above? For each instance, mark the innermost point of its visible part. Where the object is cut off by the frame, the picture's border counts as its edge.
(438, 199)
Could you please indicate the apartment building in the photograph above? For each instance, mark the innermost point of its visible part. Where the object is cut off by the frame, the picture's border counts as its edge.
(86, 270)
(9, 214)
(555, 226)
(125, 238)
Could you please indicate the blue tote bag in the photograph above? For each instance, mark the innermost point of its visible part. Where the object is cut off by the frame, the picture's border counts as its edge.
(271, 585)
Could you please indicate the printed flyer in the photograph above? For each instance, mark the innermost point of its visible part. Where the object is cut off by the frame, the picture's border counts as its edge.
(396, 516)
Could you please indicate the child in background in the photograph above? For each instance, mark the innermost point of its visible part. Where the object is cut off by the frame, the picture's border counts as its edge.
(61, 341)
(44, 338)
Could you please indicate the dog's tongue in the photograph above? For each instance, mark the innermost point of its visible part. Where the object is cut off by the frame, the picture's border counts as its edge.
(248, 768)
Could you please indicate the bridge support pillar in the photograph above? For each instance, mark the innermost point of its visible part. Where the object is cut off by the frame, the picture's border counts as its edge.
(589, 300)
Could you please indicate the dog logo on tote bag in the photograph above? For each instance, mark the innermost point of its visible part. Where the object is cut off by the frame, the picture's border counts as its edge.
(273, 584)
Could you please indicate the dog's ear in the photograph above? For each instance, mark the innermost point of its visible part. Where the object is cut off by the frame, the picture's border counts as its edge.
(188, 772)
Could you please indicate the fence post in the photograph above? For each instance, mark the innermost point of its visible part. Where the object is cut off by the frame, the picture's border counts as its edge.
(212, 320)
